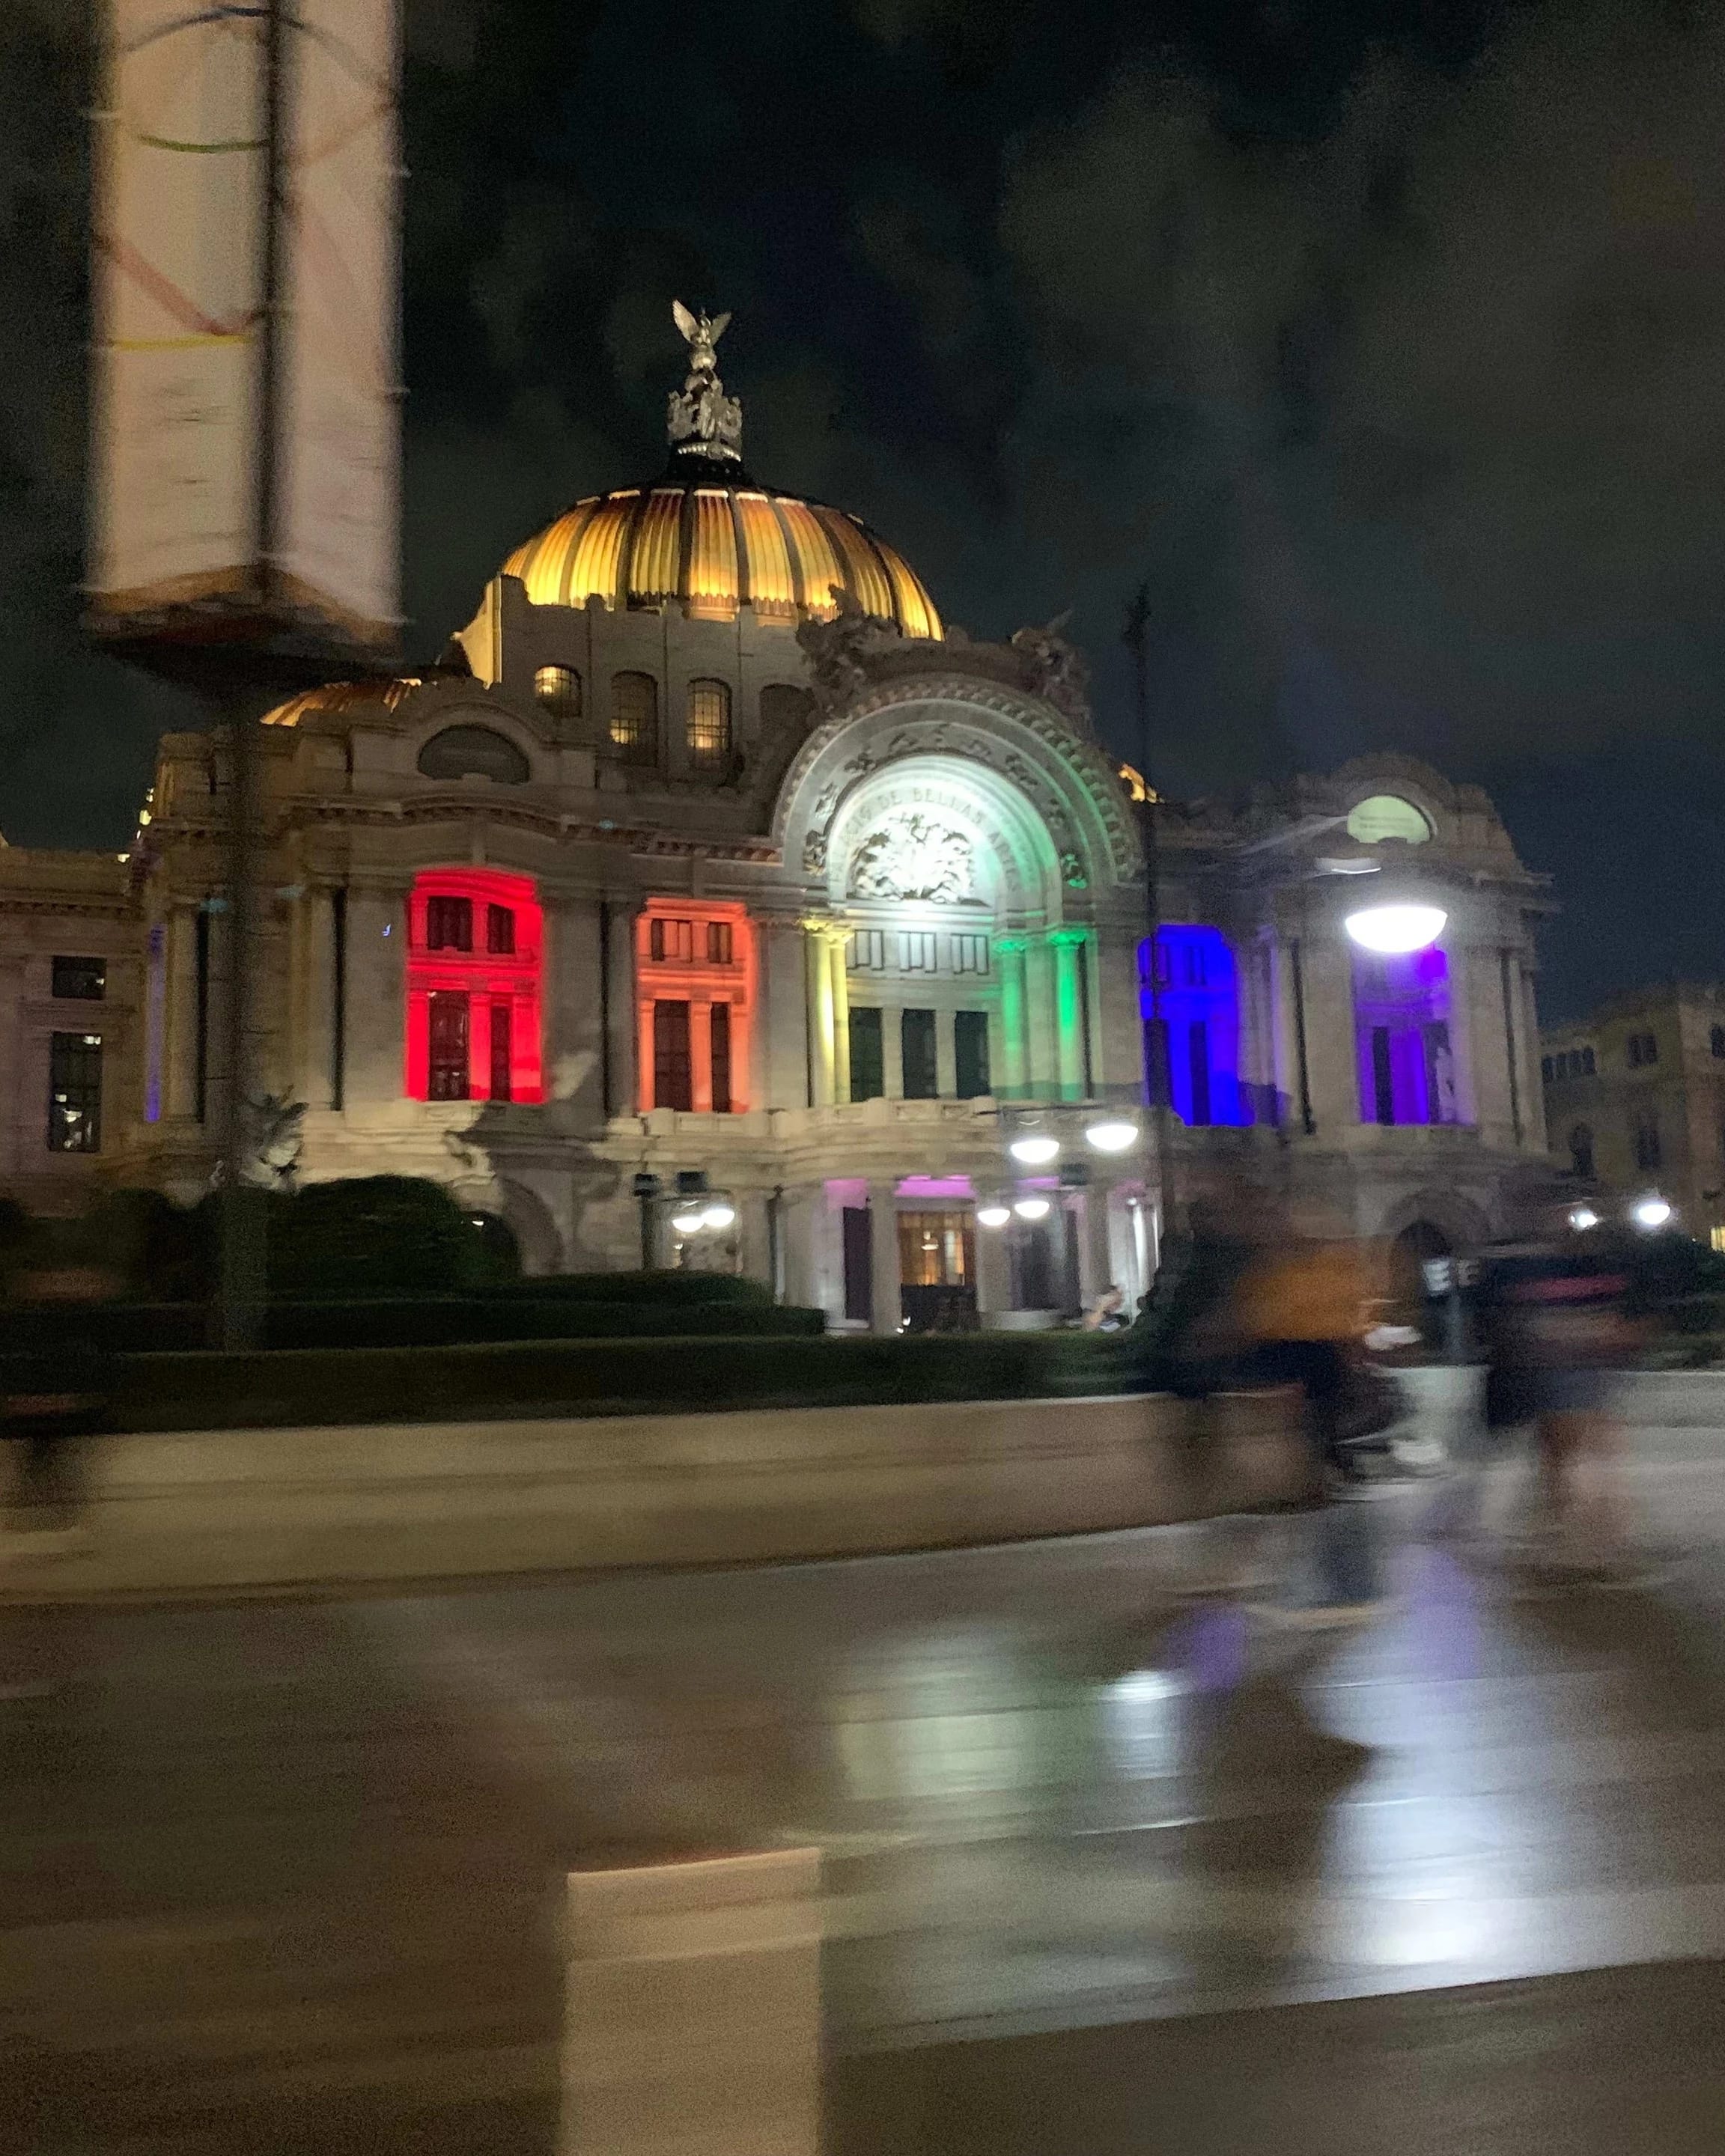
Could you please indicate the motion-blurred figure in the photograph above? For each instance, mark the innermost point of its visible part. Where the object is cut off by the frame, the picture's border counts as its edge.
(1557, 1329)
(56, 1387)
(1107, 1313)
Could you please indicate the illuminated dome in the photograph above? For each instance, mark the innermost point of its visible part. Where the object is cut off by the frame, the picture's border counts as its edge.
(708, 537)
(339, 699)
(718, 546)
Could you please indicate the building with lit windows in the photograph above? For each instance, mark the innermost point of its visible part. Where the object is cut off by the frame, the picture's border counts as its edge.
(1635, 1101)
(714, 900)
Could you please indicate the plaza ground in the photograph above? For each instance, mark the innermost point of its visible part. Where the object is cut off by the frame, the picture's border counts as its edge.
(283, 1875)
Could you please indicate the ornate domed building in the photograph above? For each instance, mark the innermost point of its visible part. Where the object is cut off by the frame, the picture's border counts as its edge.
(713, 900)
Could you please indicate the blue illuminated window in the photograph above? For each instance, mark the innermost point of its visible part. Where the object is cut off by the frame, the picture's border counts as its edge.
(1192, 1027)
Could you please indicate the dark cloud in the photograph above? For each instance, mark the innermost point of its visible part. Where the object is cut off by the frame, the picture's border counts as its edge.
(1382, 339)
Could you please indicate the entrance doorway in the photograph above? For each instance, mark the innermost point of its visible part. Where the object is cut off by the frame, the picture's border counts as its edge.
(936, 1269)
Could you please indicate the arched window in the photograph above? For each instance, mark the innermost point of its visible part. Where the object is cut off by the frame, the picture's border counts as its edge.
(473, 993)
(634, 717)
(1383, 816)
(1581, 1150)
(473, 752)
(709, 726)
(558, 689)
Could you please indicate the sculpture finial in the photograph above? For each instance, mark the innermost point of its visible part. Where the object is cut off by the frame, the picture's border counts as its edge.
(700, 420)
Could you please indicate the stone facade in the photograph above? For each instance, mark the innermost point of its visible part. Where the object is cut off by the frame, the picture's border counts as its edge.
(774, 893)
(1635, 1101)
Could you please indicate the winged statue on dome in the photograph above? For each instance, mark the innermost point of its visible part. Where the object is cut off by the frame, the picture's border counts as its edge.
(701, 419)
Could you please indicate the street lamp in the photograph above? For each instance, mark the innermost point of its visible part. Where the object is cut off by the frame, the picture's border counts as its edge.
(1583, 1218)
(1031, 1209)
(1035, 1149)
(992, 1216)
(1112, 1134)
(1651, 1213)
(689, 1221)
(719, 1215)
(1395, 931)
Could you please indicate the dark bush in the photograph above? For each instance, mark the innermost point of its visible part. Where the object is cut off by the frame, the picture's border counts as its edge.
(307, 1387)
(674, 1287)
(373, 1236)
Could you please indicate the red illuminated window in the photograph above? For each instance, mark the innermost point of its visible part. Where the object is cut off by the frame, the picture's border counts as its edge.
(473, 1017)
(695, 989)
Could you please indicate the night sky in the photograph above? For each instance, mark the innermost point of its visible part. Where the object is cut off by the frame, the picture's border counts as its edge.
(1386, 341)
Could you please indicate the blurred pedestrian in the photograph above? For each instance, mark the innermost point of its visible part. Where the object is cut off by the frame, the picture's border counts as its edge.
(1107, 1313)
(1557, 1329)
(56, 1390)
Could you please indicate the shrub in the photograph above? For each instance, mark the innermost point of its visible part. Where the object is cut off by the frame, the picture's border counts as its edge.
(372, 1235)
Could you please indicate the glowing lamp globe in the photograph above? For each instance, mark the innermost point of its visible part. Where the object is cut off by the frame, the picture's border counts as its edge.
(1113, 1134)
(1583, 1218)
(688, 1223)
(719, 1215)
(1652, 1213)
(992, 1216)
(1394, 931)
(1031, 1209)
(1035, 1149)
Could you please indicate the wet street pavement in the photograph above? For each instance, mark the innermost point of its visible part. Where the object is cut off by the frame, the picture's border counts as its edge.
(1108, 1867)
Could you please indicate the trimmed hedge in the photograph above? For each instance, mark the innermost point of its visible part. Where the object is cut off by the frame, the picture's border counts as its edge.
(424, 1322)
(487, 1383)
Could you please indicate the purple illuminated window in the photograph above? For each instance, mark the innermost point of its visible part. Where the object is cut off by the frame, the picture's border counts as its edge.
(1192, 1027)
(1401, 1024)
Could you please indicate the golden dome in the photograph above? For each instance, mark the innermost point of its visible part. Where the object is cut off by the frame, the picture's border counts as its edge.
(715, 542)
(340, 698)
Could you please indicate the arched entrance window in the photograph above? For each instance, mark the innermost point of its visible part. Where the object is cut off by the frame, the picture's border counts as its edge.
(475, 938)
(1581, 1150)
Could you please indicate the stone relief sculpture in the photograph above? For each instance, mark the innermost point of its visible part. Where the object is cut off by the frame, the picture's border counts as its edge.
(839, 651)
(912, 856)
(1054, 669)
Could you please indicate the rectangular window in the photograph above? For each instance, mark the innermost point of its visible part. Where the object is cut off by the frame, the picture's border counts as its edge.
(672, 1072)
(1383, 1077)
(718, 942)
(709, 725)
(719, 1018)
(500, 931)
(917, 1035)
(859, 1242)
(200, 1058)
(1716, 1238)
(1197, 1060)
(446, 1031)
(669, 940)
(868, 1060)
(1647, 1145)
(970, 954)
(916, 951)
(82, 978)
(1587, 1063)
(970, 1042)
(74, 1092)
(1546, 1069)
(502, 1043)
(1643, 1049)
(449, 926)
(868, 951)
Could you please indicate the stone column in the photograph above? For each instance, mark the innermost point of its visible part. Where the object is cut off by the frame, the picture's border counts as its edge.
(1015, 1017)
(884, 1282)
(838, 950)
(946, 1055)
(376, 991)
(314, 1011)
(822, 1059)
(1070, 1016)
(1095, 1259)
(1042, 1065)
(623, 1044)
(691, 2014)
(180, 1060)
(993, 1272)
(781, 1065)
(700, 1054)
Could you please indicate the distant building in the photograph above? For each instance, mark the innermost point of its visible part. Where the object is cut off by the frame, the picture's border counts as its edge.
(1635, 1100)
(710, 854)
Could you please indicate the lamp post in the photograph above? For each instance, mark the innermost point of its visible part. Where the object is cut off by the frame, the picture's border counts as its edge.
(1135, 635)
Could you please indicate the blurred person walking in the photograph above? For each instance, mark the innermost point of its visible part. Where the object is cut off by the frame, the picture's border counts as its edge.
(1558, 1327)
(56, 1392)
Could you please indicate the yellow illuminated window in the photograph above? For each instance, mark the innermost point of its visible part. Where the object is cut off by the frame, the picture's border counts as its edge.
(558, 689)
(634, 717)
(709, 725)
(1716, 1236)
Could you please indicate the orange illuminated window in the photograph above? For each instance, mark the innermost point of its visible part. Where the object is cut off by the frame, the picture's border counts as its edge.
(709, 725)
(634, 717)
(696, 991)
(474, 1000)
